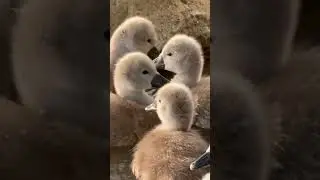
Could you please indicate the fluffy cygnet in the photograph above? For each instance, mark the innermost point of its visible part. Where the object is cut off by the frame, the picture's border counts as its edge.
(183, 55)
(134, 34)
(134, 73)
(167, 151)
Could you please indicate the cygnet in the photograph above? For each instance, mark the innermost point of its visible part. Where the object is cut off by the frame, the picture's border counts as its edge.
(166, 151)
(183, 55)
(134, 34)
(134, 73)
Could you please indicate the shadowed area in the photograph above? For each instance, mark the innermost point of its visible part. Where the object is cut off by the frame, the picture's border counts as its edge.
(241, 131)
(60, 61)
(253, 37)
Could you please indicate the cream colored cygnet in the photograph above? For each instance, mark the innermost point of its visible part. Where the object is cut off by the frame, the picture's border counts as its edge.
(183, 55)
(134, 34)
(134, 73)
(166, 152)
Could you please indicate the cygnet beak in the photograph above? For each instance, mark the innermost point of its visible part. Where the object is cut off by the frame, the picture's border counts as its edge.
(159, 63)
(151, 107)
(153, 53)
(158, 81)
(203, 160)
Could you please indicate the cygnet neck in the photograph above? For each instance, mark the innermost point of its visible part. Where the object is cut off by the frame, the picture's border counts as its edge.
(192, 75)
(177, 123)
(189, 78)
(137, 95)
(116, 52)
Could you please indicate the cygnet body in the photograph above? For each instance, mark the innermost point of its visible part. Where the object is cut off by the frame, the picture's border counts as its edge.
(134, 73)
(166, 152)
(134, 34)
(183, 55)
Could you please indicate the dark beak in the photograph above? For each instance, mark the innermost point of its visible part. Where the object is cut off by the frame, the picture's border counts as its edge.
(159, 63)
(153, 53)
(203, 160)
(158, 81)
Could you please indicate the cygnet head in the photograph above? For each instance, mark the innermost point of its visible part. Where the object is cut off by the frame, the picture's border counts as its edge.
(175, 106)
(135, 73)
(202, 161)
(135, 34)
(182, 55)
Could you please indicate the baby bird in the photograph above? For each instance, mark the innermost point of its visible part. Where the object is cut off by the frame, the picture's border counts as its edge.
(166, 152)
(134, 73)
(134, 34)
(183, 55)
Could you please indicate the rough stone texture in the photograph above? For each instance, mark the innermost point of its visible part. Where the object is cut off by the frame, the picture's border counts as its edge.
(190, 17)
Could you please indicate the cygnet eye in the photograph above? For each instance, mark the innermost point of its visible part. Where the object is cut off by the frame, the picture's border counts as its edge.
(159, 101)
(169, 54)
(145, 72)
(149, 40)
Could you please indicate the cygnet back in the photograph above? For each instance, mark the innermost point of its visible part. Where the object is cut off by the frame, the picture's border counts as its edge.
(167, 151)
